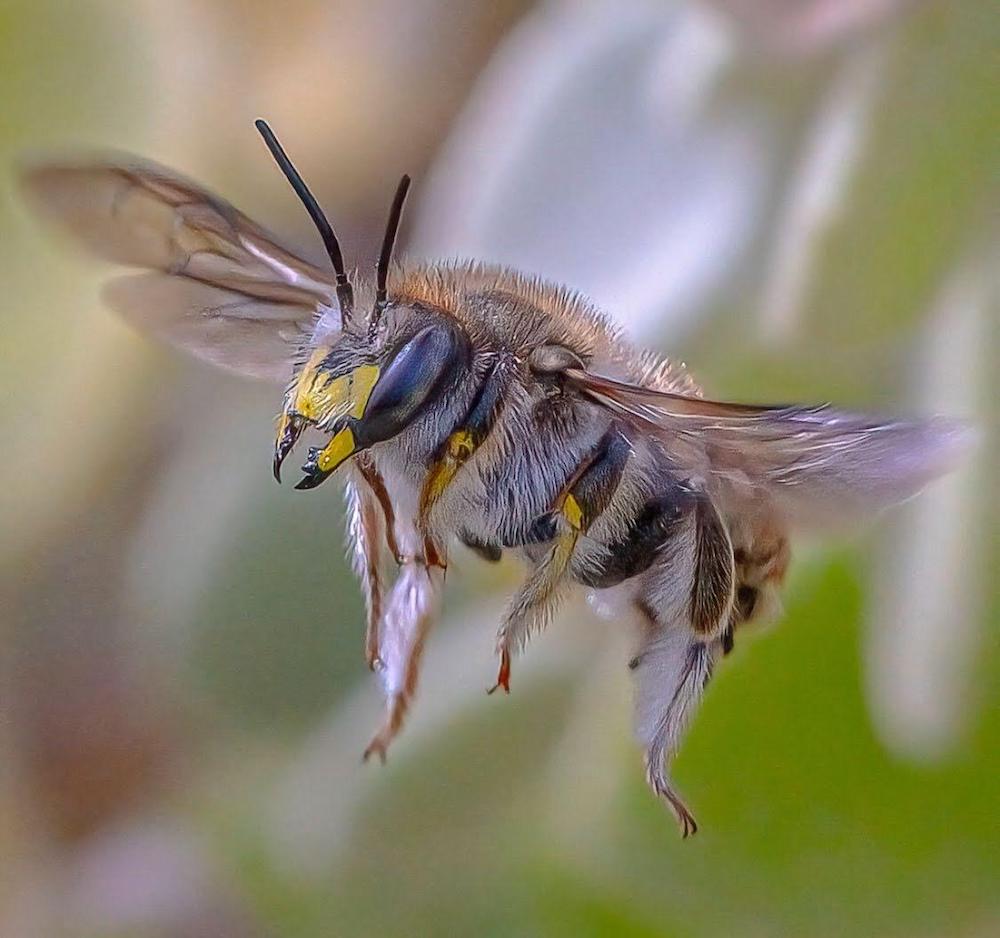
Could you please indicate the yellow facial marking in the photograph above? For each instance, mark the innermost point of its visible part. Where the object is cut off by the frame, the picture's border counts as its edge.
(323, 400)
(363, 380)
(324, 396)
(572, 512)
(336, 451)
(316, 393)
(317, 396)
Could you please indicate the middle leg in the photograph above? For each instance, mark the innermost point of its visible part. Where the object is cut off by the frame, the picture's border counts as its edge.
(582, 500)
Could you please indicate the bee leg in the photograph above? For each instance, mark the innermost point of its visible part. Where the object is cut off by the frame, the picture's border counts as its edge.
(410, 612)
(375, 524)
(585, 496)
(503, 673)
(728, 638)
(535, 602)
(714, 577)
(376, 484)
(671, 671)
(462, 443)
(365, 530)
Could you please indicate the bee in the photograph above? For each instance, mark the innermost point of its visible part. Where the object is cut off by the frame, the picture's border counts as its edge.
(469, 403)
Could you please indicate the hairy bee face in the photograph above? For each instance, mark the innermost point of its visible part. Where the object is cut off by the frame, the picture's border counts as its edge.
(366, 385)
(333, 382)
(470, 403)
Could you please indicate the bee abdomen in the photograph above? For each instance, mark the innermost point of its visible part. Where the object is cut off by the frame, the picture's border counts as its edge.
(656, 521)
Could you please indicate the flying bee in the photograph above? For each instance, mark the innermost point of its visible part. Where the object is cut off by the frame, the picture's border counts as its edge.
(468, 403)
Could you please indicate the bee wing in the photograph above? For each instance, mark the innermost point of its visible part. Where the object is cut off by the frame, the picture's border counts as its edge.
(223, 280)
(240, 334)
(819, 467)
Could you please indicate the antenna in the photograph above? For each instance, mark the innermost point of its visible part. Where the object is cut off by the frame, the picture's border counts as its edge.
(391, 227)
(345, 292)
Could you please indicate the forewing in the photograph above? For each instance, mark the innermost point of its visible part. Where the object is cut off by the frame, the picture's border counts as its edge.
(241, 334)
(223, 279)
(816, 465)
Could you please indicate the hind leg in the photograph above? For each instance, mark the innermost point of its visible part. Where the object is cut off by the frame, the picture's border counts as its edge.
(671, 671)
(678, 647)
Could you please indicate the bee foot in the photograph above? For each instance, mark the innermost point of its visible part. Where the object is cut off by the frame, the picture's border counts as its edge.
(503, 675)
(662, 789)
(378, 746)
(685, 819)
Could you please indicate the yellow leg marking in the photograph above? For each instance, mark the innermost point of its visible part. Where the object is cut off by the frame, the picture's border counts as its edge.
(436, 482)
(572, 512)
(458, 449)
(461, 445)
(336, 451)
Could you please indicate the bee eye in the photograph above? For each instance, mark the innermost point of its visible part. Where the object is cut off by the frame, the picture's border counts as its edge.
(415, 373)
(553, 359)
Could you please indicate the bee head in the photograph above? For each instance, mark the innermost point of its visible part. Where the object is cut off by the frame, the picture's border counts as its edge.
(333, 383)
(343, 363)
(369, 386)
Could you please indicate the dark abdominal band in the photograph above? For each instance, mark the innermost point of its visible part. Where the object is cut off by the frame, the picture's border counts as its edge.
(593, 487)
(651, 528)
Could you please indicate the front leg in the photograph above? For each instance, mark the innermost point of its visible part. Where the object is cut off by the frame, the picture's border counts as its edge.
(463, 441)
(371, 531)
(376, 485)
(410, 612)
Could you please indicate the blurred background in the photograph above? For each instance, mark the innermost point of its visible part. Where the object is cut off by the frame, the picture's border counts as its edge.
(797, 197)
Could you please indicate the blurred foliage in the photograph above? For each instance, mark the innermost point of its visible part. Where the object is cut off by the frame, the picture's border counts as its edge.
(810, 827)
(180, 636)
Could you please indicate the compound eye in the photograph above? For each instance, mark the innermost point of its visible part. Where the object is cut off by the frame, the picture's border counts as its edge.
(412, 380)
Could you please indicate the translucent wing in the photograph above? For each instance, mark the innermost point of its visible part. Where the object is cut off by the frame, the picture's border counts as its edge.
(227, 292)
(816, 465)
(243, 335)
